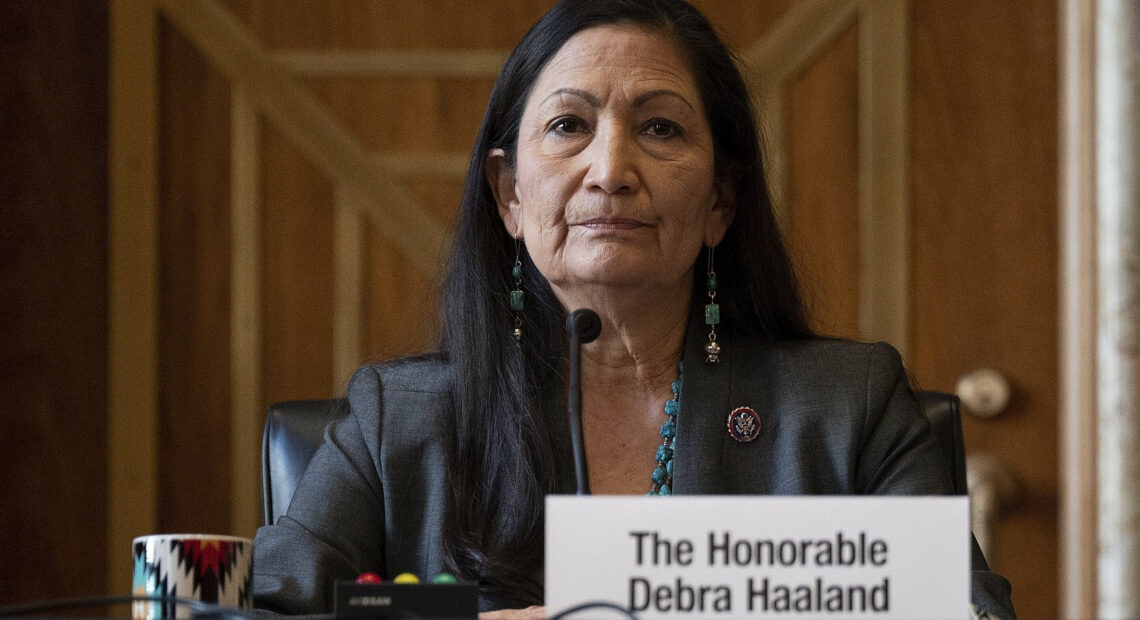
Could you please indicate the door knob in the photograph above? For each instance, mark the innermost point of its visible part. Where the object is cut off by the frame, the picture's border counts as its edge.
(985, 392)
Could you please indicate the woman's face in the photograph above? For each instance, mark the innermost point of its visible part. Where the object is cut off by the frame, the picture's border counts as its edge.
(613, 183)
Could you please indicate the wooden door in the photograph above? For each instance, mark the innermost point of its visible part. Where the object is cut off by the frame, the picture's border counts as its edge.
(979, 230)
(984, 162)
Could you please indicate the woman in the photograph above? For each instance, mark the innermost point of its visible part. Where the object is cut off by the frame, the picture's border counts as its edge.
(618, 168)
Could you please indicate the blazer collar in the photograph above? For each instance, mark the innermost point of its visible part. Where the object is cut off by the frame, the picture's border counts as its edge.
(705, 398)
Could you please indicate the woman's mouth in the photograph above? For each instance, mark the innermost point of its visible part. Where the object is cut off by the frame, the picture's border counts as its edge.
(611, 223)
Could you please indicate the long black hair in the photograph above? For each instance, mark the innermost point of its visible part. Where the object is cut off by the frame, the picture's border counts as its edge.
(509, 450)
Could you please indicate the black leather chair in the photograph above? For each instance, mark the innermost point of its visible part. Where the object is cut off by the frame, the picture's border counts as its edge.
(945, 417)
(294, 429)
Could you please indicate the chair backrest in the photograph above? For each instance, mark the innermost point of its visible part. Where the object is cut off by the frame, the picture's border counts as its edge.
(943, 411)
(293, 431)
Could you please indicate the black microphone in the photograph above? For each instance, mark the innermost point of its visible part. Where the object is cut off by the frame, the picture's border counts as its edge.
(583, 326)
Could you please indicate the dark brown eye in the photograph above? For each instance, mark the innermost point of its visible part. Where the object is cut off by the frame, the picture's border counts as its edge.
(661, 129)
(566, 125)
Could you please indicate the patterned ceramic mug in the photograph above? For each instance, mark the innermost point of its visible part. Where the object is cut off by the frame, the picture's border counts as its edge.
(213, 569)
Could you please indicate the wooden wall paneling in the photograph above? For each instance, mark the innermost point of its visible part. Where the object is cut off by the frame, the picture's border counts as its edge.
(418, 117)
(884, 233)
(391, 24)
(801, 31)
(349, 238)
(985, 236)
(394, 63)
(194, 460)
(421, 127)
(822, 204)
(299, 274)
(742, 22)
(132, 406)
(53, 299)
(408, 120)
(757, 32)
(861, 289)
(402, 313)
(246, 403)
(409, 165)
(786, 48)
(295, 111)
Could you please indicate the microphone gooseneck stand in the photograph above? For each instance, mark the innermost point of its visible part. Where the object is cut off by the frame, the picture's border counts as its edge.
(583, 325)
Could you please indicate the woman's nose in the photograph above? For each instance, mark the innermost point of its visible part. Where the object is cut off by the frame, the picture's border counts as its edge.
(612, 163)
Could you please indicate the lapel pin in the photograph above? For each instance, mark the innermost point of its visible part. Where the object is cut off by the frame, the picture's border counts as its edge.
(744, 424)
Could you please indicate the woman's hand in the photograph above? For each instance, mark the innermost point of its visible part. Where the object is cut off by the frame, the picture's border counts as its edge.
(534, 612)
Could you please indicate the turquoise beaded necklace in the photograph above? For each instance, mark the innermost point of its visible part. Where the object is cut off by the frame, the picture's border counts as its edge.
(662, 477)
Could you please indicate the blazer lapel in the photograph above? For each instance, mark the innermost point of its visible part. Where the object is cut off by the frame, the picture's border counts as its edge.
(708, 460)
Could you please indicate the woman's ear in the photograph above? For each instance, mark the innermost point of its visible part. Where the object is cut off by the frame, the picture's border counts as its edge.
(720, 217)
(501, 178)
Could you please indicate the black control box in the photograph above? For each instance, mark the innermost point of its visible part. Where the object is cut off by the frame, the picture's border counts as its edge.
(405, 600)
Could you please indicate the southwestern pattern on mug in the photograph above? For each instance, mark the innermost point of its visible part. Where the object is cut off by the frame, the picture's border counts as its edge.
(210, 570)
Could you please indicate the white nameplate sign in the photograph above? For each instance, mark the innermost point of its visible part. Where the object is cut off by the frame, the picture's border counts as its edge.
(761, 557)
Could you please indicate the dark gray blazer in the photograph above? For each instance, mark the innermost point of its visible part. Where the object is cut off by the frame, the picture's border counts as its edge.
(837, 418)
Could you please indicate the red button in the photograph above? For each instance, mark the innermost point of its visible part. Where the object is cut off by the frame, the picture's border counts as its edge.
(368, 578)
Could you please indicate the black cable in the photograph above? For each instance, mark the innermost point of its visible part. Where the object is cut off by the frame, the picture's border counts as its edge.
(200, 609)
(593, 605)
